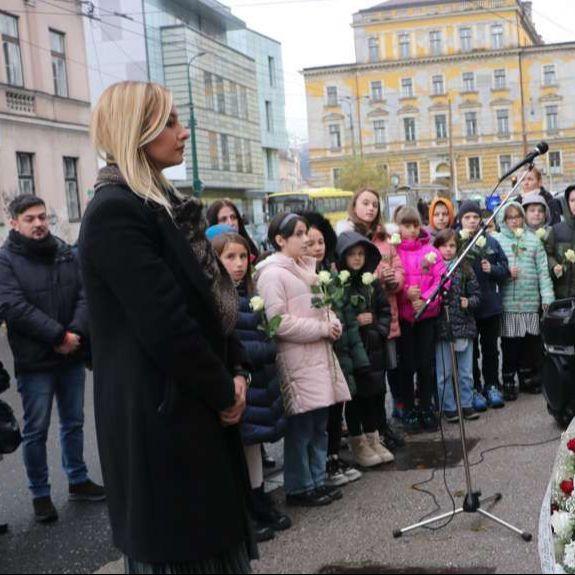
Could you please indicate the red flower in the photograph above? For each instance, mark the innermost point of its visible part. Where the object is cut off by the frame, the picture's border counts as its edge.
(567, 487)
(571, 445)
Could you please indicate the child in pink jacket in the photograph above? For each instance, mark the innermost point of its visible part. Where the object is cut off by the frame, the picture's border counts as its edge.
(424, 267)
(311, 377)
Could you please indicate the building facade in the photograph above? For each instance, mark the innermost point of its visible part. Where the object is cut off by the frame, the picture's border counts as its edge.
(45, 145)
(445, 95)
(201, 45)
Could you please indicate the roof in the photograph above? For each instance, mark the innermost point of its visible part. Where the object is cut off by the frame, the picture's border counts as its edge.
(393, 4)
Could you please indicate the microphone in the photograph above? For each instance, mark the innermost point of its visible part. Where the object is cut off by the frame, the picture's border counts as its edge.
(540, 149)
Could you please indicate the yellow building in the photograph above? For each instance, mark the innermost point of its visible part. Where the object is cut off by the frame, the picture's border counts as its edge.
(445, 95)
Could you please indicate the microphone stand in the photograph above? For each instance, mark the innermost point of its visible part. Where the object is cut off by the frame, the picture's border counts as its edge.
(473, 501)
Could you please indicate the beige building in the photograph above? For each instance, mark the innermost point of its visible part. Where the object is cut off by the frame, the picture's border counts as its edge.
(445, 95)
(45, 111)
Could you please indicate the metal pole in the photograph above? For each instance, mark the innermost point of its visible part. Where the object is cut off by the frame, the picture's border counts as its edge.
(197, 183)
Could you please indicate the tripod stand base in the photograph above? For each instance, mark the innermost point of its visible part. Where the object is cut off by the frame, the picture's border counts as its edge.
(472, 505)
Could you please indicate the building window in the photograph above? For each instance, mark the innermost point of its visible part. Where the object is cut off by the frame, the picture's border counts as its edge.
(234, 100)
(441, 127)
(404, 46)
(466, 37)
(335, 136)
(373, 46)
(552, 113)
(225, 144)
(221, 94)
(409, 127)
(58, 50)
(500, 79)
(503, 122)
(504, 164)
(244, 104)
(214, 158)
(332, 98)
(379, 131)
(11, 49)
(270, 164)
(25, 163)
(412, 173)
(239, 154)
(438, 86)
(497, 36)
(209, 90)
(435, 43)
(269, 117)
(248, 156)
(471, 124)
(474, 169)
(469, 82)
(407, 88)
(272, 70)
(555, 164)
(72, 189)
(549, 75)
(376, 91)
(336, 177)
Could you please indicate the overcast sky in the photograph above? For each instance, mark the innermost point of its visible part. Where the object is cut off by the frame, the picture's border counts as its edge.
(318, 33)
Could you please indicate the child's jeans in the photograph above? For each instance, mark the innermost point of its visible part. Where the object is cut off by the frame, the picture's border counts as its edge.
(464, 354)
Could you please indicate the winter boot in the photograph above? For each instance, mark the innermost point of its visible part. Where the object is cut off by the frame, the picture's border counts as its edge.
(363, 454)
(374, 442)
(509, 387)
(265, 512)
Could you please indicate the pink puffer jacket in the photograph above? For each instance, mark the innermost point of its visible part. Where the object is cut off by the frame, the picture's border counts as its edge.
(311, 377)
(390, 258)
(419, 272)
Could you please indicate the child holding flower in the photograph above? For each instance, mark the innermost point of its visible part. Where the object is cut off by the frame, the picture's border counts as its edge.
(530, 287)
(366, 298)
(424, 268)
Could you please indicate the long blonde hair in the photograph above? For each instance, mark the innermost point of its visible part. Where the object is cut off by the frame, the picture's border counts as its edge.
(128, 116)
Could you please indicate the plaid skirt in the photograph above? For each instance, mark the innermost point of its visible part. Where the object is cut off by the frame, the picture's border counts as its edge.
(520, 324)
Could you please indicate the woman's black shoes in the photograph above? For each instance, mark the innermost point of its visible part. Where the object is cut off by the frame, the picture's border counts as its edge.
(309, 499)
(263, 533)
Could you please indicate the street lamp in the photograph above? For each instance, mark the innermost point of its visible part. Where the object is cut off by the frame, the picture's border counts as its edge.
(348, 101)
(197, 183)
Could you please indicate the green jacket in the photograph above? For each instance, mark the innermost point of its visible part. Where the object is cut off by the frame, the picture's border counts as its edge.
(534, 286)
(561, 239)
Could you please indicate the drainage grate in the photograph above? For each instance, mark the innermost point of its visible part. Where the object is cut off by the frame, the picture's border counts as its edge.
(383, 569)
(430, 454)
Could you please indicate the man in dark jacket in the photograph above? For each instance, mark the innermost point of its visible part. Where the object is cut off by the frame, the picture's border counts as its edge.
(42, 300)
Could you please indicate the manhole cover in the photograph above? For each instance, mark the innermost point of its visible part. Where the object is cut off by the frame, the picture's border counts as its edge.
(376, 569)
(430, 454)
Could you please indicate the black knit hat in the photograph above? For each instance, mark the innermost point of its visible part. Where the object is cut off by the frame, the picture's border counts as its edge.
(469, 207)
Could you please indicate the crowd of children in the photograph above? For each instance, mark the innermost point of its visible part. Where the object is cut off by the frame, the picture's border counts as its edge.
(330, 320)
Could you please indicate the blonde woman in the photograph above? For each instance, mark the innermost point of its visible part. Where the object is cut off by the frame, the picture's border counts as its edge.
(169, 380)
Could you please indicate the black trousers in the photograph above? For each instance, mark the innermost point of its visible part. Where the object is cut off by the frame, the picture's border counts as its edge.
(334, 429)
(487, 341)
(417, 354)
(518, 355)
(362, 415)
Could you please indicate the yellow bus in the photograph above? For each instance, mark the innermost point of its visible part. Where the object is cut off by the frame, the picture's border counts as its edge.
(330, 202)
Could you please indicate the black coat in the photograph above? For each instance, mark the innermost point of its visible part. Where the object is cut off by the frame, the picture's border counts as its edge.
(41, 298)
(176, 479)
(264, 420)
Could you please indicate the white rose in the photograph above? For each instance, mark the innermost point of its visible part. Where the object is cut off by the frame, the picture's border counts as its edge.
(431, 258)
(562, 523)
(367, 279)
(569, 557)
(464, 235)
(344, 276)
(482, 242)
(324, 278)
(570, 256)
(395, 240)
(257, 304)
(541, 233)
(519, 232)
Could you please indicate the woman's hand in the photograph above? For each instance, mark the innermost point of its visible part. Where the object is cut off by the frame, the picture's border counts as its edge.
(335, 331)
(233, 415)
(515, 273)
(486, 266)
(418, 305)
(558, 270)
(414, 293)
(365, 319)
(388, 276)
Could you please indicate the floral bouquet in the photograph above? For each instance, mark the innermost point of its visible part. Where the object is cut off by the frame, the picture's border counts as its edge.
(329, 292)
(428, 262)
(480, 251)
(568, 261)
(269, 327)
(361, 302)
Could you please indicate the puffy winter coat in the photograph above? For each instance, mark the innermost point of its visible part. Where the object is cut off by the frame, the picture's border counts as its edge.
(311, 377)
(263, 420)
(561, 239)
(461, 324)
(533, 287)
(390, 258)
(419, 272)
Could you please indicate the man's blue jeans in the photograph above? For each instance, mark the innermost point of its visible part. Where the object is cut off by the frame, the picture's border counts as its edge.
(37, 391)
(305, 451)
(445, 375)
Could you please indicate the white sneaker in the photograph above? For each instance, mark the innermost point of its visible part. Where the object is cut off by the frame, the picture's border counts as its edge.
(350, 472)
(334, 474)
